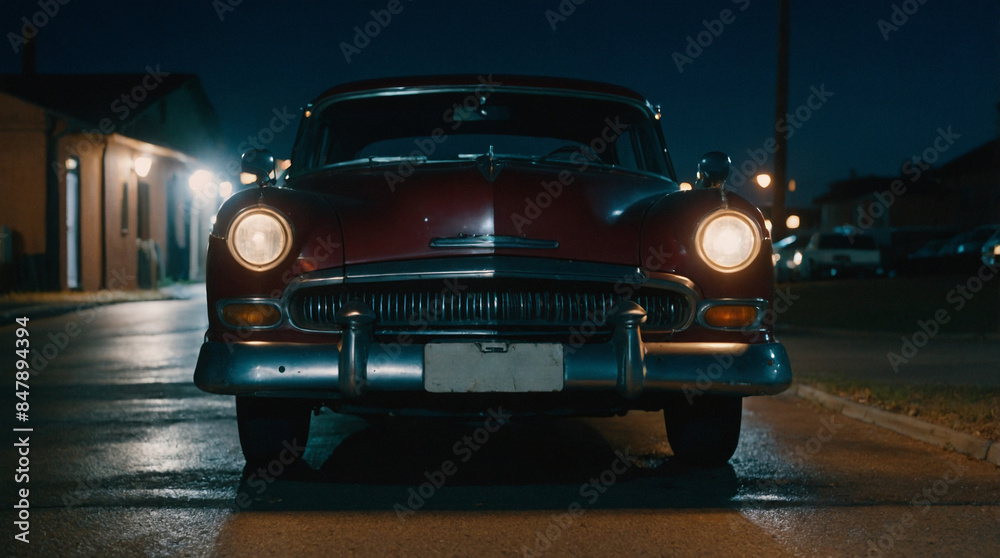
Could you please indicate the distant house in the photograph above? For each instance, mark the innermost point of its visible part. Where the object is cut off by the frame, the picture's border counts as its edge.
(96, 190)
(973, 179)
(961, 194)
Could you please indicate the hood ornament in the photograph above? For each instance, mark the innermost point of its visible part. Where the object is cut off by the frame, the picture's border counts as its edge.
(489, 165)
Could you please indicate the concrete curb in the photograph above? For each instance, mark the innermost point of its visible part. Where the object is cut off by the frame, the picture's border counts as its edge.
(940, 436)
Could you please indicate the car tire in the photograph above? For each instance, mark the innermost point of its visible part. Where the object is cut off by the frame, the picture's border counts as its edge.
(273, 428)
(703, 431)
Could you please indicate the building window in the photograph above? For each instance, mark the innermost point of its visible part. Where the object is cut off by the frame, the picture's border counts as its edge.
(72, 223)
(125, 208)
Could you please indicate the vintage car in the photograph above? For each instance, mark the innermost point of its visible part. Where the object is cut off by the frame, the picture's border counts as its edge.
(788, 256)
(990, 252)
(456, 246)
(838, 254)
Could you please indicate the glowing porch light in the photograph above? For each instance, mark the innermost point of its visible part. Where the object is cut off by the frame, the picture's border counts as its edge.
(142, 165)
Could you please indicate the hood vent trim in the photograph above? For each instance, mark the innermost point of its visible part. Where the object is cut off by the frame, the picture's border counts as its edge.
(492, 241)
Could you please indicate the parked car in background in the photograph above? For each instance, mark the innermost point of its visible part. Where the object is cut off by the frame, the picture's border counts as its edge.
(788, 256)
(906, 249)
(960, 253)
(466, 245)
(963, 253)
(837, 255)
(990, 252)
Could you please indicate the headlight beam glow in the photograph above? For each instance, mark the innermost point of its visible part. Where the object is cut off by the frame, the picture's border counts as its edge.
(728, 240)
(259, 238)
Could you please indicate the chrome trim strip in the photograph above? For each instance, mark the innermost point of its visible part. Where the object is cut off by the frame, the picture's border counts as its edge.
(492, 241)
(487, 266)
(321, 104)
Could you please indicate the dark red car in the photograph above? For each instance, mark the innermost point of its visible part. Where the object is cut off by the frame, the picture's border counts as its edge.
(448, 246)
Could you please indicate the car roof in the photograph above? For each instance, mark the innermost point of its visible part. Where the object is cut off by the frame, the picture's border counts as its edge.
(474, 80)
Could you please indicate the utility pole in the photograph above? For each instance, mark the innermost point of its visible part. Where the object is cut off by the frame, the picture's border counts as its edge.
(778, 229)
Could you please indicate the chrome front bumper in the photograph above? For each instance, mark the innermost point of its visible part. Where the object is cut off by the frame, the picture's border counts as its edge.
(358, 365)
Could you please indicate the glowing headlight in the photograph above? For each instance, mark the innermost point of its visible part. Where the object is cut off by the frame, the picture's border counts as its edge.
(727, 240)
(259, 238)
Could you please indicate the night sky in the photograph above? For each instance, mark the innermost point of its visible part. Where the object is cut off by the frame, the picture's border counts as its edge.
(888, 87)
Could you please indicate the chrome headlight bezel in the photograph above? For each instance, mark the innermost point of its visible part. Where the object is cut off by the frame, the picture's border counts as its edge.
(278, 225)
(734, 222)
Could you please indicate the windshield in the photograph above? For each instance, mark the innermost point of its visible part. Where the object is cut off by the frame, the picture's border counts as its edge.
(458, 125)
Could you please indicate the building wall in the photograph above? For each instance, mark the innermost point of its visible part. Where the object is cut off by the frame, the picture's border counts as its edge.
(120, 219)
(109, 250)
(91, 219)
(22, 166)
(182, 119)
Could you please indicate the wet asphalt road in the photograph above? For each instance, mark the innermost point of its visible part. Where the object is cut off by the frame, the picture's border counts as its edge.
(128, 458)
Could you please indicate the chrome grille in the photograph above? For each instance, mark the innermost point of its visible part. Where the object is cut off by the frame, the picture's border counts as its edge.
(479, 306)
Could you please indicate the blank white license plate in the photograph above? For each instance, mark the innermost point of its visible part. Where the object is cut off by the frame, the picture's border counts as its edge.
(493, 367)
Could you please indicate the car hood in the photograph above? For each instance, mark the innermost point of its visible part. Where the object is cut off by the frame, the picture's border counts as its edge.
(488, 207)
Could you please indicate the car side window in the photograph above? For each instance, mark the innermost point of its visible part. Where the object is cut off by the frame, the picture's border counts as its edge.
(626, 153)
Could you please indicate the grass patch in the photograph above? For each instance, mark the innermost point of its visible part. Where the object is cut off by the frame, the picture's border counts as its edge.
(969, 409)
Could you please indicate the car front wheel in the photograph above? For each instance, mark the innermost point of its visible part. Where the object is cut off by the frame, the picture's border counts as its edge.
(273, 428)
(705, 430)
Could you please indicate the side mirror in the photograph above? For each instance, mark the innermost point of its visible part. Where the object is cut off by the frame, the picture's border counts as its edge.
(713, 170)
(259, 163)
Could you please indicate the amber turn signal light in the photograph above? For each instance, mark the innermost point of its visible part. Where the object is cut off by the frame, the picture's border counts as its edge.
(250, 315)
(731, 315)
